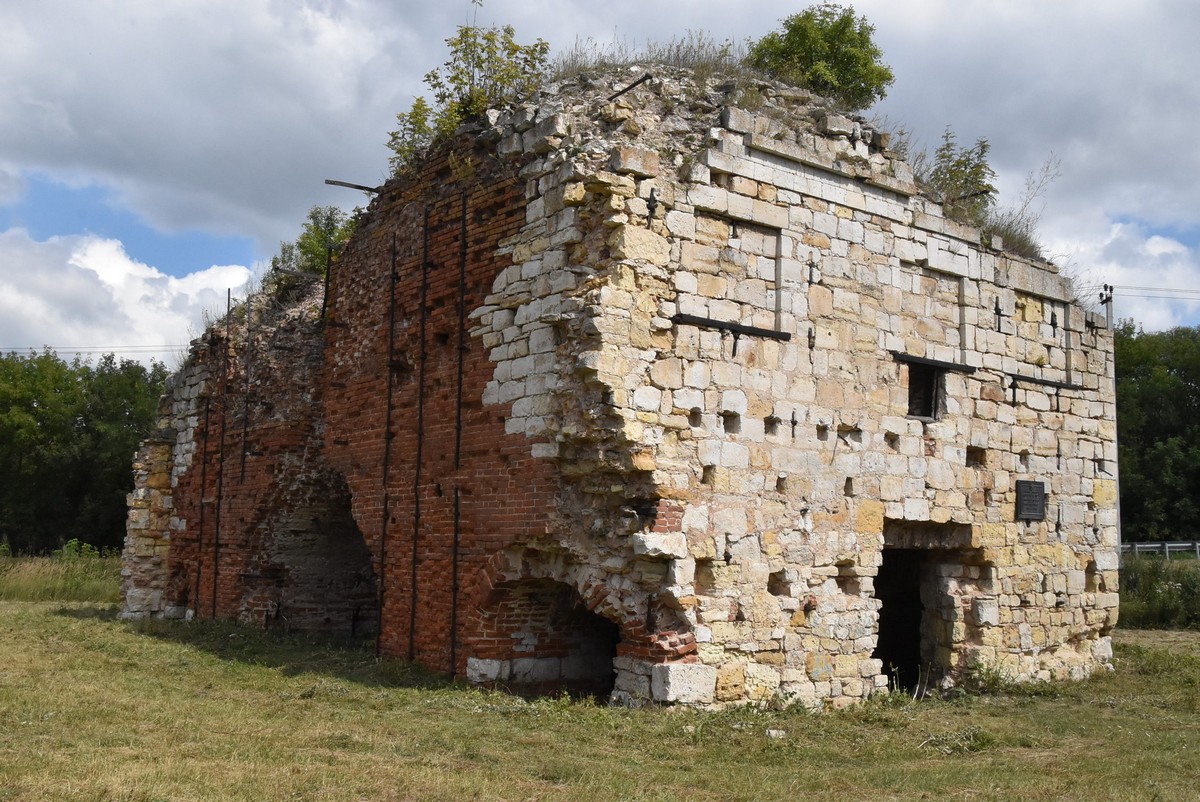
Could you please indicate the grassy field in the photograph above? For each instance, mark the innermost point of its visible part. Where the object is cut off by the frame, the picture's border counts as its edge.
(92, 708)
(69, 575)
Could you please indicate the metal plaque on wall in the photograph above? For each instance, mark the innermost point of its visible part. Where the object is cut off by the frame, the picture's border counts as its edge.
(1031, 500)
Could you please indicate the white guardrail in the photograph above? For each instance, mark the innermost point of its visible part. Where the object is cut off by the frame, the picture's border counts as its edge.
(1163, 548)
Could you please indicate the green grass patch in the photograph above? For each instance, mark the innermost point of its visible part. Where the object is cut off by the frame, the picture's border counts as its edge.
(68, 575)
(92, 708)
(1160, 594)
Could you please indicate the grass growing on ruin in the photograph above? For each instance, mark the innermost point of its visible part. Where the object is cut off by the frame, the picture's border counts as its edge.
(96, 709)
(696, 50)
(69, 575)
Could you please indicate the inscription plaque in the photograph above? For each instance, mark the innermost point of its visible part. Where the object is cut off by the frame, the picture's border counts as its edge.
(1031, 500)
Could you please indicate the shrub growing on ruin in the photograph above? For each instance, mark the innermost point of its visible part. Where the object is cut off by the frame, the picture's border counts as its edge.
(325, 231)
(486, 67)
(830, 50)
(960, 178)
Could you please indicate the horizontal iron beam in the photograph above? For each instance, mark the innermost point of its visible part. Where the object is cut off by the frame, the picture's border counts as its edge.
(724, 325)
(957, 367)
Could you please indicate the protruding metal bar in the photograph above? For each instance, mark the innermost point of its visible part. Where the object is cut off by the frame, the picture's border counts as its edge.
(631, 87)
(724, 325)
(348, 185)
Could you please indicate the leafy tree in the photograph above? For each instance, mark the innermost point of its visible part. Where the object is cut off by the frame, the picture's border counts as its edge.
(487, 66)
(829, 50)
(1158, 425)
(67, 434)
(120, 401)
(326, 229)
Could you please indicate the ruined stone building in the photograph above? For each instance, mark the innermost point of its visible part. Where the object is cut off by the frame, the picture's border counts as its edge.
(683, 394)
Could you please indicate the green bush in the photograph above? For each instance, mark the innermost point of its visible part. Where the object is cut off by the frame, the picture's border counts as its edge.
(829, 50)
(1160, 594)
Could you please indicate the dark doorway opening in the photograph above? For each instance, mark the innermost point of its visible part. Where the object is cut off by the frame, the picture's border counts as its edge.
(898, 587)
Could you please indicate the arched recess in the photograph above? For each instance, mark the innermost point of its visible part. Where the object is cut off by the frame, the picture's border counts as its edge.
(313, 570)
(530, 603)
(536, 637)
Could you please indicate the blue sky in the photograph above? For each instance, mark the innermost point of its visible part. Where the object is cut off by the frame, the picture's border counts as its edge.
(153, 154)
(47, 208)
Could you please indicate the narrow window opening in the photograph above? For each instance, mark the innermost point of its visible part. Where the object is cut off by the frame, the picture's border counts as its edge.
(708, 474)
(731, 422)
(695, 418)
(771, 424)
(892, 440)
(781, 483)
(924, 391)
(976, 457)
(848, 488)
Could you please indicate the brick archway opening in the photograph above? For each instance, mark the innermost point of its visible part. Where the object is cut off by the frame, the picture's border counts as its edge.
(536, 637)
(315, 572)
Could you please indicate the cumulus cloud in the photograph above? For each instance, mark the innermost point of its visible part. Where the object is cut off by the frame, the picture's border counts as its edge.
(85, 293)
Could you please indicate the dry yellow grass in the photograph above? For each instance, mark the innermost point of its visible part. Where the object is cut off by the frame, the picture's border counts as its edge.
(87, 578)
(95, 709)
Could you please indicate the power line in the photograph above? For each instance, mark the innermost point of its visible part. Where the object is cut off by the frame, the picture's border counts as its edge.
(92, 349)
(1191, 299)
(1154, 289)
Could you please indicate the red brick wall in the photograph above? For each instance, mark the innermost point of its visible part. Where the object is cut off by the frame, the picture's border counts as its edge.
(503, 495)
(318, 416)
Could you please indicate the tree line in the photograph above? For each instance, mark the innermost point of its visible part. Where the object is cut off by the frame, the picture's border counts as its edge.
(68, 432)
(1158, 432)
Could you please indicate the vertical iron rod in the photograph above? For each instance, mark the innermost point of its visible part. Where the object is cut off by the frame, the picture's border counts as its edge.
(458, 427)
(200, 523)
(462, 330)
(388, 434)
(246, 394)
(221, 450)
(328, 270)
(412, 613)
(454, 585)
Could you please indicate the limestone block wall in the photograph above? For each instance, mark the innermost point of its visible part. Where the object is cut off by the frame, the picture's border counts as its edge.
(803, 460)
(682, 394)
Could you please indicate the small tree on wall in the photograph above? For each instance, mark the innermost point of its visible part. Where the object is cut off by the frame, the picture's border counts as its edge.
(486, 67)
(960, 178)
(829, 50)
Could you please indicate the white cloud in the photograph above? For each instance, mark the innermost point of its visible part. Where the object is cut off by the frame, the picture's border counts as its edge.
(1142, 266)
(85, 292)
(12, 185)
